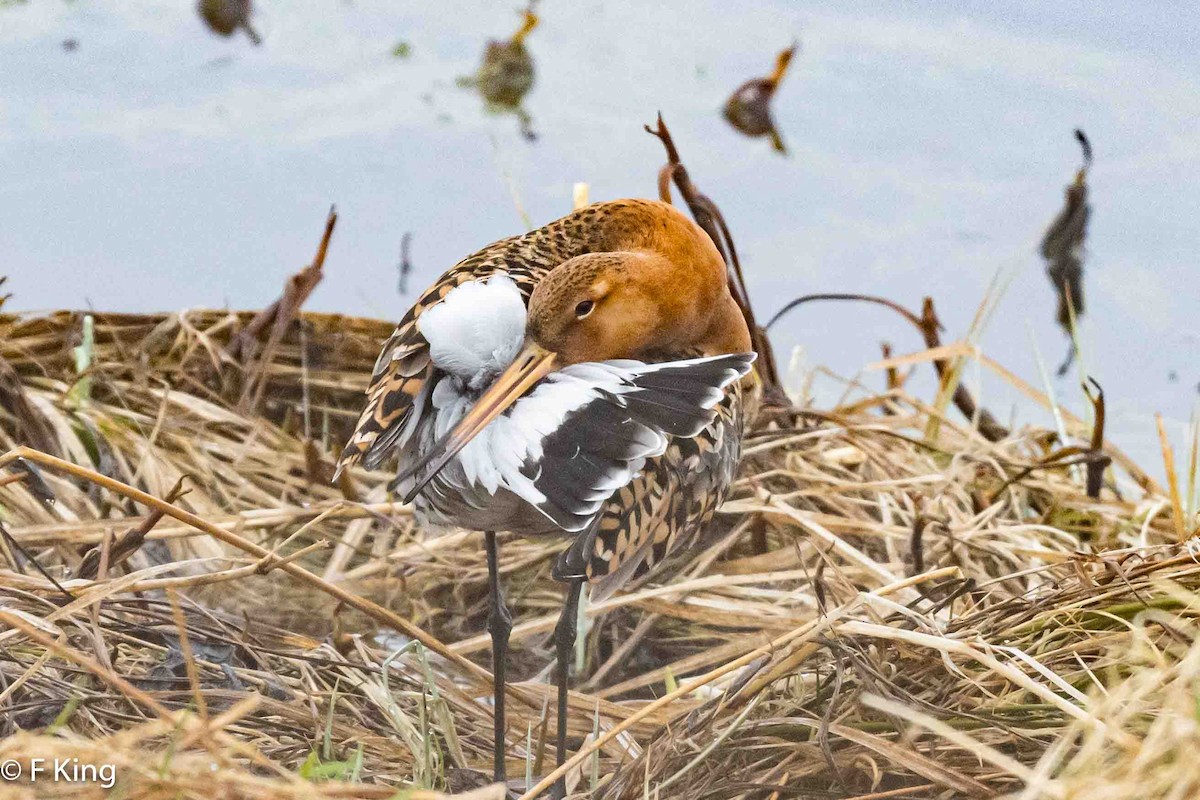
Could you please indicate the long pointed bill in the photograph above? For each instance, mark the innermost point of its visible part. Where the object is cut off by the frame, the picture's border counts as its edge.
(532, 364)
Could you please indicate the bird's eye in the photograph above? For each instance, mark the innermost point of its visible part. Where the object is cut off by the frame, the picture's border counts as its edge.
(583, 308)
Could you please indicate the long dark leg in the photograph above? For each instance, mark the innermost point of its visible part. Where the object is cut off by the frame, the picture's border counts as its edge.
(564, 641)
(500, 626)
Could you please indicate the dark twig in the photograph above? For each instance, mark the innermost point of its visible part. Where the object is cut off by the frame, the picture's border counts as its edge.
(929, 326)
(892, 374)
(28, 472)
(297, 290)
(1059, 459)
(1093, 457)
(865, 298)
(1086, 145)
(129, 542)
(989, 427)
(18, 548)
(1063, 249)
(1099, 461)
(963, 587)
(916, 543)
(277, 316)
(708, 216)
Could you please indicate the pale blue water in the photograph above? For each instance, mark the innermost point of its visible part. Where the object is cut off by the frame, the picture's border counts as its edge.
(158, 166)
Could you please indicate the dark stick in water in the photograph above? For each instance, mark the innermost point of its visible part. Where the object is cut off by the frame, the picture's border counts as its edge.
(1063, 249)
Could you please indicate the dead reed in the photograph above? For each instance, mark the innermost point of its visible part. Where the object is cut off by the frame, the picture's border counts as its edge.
(935, 614)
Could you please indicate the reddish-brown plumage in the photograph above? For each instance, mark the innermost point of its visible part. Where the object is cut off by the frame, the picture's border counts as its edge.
(644, 305)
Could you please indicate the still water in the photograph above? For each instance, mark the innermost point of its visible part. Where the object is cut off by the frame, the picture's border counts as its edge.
(148, 164)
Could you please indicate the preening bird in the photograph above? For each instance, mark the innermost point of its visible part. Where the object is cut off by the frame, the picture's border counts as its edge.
(584, 380)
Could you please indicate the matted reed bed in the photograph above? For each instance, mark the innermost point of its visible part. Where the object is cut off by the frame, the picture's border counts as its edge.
(891, 605)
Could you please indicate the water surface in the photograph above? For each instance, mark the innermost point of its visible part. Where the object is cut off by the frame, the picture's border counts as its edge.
(157, 166)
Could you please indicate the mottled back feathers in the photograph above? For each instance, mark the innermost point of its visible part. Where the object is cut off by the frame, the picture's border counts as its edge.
(403, 365)
(630, 457)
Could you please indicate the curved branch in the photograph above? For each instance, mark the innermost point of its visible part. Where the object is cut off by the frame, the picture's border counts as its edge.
(708, 216)
(865, 298)
(927, 323)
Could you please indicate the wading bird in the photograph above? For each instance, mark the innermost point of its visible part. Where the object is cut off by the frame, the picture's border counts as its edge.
(749, 108)
(581, 380)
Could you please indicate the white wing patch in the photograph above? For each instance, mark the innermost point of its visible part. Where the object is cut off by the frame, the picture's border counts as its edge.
(495, 456)
(477, 330)
(602, 421)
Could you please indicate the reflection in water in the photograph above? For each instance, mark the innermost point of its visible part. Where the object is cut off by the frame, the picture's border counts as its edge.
(405, 265)
(139, 114)
(506, 74)
(1062, 247)
(223, 17)
(749, 108)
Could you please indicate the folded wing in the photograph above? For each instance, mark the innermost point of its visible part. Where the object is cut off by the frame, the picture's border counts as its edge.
(588, 430)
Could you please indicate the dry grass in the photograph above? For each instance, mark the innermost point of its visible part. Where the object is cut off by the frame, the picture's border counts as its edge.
(931, 618)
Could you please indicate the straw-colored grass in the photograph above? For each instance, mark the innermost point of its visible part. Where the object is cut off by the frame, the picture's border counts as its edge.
(931, 617)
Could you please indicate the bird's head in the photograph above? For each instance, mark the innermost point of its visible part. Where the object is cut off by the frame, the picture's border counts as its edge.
(603, 306)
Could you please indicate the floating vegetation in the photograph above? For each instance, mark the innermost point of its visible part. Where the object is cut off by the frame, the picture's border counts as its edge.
(224, 17)
(404, 267)
(507, 73)
(748, 109)
(1063, 248)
